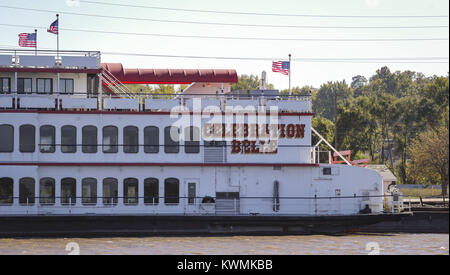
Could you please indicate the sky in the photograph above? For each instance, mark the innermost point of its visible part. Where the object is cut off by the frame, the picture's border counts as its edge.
(302, 72)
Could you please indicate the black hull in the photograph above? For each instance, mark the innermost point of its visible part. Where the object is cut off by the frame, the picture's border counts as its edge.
(105, 226)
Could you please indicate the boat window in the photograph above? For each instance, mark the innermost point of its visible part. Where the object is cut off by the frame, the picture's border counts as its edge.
(5, 85)
(171, 139)
(130, 190)
(326, 170)
(89, 139)
(110, 191)
(110, 139)
(26, 191)
(47, 191)
(47, 139)
(66, 86)
(151, 191)
(6, 191)
(151, 139)
(171, 191)
(27, 138)
(192, 140)
(6, 138)
(130, 139)
(44, 85)
(68, 139)
(24, 85)
(191, 192)
(89, 191)
(68, 191)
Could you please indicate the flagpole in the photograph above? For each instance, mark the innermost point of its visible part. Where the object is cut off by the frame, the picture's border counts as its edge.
(290, 91)
(35, 48)
(57, 38)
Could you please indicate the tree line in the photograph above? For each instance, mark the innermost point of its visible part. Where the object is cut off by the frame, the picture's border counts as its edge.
(399, 119)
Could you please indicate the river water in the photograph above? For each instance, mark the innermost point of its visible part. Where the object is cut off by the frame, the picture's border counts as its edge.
(236, 245)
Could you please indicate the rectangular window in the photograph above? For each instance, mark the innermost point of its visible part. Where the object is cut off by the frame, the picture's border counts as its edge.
(68, 139)
(26, 191)
(24, 85)
(6, 138)
(130, 139)
(192, 140)
(68, 191)
(89, 191)
(151, 191)
(191, 193)
(47, 139)
(89, 139)
(110, 195)
(130, 191)
(66, 86)
(326, 170)
(47, 191)
(44, 85)
(171, 191)
(5, 85)
(6, 191)
(27, 138)
(171, 140)
(151, 139)
(110, 139)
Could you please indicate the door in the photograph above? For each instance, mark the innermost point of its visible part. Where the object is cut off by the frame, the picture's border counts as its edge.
(191, 198)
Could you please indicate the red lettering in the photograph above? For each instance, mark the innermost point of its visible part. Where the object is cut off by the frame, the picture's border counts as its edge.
(290, 130)
(235, 147)
(300, 130)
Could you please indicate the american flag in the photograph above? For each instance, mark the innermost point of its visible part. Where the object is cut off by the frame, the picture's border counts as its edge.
(281, 67)
(53, 27)
(27, 40)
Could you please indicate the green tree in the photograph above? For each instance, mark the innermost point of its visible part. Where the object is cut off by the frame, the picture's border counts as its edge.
(430, 156)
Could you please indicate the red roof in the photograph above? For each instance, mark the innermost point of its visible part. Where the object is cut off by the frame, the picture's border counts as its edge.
(170, 76)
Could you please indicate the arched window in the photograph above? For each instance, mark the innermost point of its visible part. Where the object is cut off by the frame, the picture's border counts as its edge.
(130, 190)
(47, 191)
(26, 191)
(151, 139)
(110, 191)
(151, 191)
(7, 138)
(130, 139)
(6, 191)
(171, 191)
(68, 139)
(47, 139)
(68, 191)
(171, 140)
(27, 138)
(89, 139)
(192, 140)
(110, 139)
(89, 191)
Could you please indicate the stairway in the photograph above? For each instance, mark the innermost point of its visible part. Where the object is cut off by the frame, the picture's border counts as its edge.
(113, 86)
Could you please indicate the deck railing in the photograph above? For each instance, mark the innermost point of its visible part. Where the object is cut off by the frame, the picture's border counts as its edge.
(250, 206)
(153, 102)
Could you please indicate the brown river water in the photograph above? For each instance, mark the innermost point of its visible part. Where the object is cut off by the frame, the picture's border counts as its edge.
(353, 244)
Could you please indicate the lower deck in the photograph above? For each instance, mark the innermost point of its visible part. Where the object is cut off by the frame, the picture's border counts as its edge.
(201, 191)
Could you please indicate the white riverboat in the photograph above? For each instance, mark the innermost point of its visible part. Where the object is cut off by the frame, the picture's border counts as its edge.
(80, 152)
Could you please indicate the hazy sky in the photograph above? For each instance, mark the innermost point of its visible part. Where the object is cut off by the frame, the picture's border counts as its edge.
(303, 73)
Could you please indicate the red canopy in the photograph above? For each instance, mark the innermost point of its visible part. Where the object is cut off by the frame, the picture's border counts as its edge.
(169, 76)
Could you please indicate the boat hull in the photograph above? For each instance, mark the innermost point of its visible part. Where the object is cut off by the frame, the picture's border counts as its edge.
(103, 226)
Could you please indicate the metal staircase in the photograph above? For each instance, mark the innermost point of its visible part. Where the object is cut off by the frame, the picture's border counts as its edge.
(113, 86)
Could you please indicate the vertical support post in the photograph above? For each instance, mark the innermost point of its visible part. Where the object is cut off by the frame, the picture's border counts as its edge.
(290, 90)
(35, 48)
(58, 105)
(57, 38)
(15, 91)
(100, 94)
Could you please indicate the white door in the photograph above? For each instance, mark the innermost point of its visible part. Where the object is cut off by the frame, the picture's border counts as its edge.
(191, 198)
